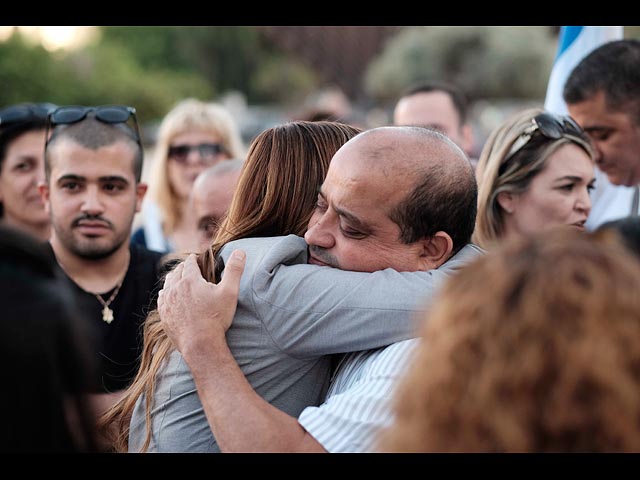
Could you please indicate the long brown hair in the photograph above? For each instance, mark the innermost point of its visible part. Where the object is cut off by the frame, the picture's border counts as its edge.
(276, 194)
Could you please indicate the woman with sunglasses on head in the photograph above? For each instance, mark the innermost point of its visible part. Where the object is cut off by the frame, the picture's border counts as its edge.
(193, 136)
(535, 172)
(22, 131)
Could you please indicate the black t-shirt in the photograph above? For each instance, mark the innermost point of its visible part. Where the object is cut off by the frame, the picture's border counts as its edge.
(119, 344)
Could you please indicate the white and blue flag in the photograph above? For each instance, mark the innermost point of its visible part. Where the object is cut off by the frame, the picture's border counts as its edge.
(608, 201)
(574, 43)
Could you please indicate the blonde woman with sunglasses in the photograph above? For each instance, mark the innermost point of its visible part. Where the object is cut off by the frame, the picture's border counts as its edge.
(192, 137)
(535, 172)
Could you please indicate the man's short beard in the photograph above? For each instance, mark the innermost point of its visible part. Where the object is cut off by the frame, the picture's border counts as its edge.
(86, 249)
(94, 253)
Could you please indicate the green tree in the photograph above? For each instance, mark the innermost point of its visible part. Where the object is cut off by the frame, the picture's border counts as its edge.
(228, 57)
(108, 73)
(29, 73)
(494, 62)
(102, 73)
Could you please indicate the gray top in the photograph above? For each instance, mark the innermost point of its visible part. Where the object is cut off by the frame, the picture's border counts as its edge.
(291, 316)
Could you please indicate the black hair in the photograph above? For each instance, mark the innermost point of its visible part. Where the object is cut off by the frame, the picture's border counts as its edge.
(445, 198)
(92, 133)
(613, 68)
(439, 203)
(628, 229)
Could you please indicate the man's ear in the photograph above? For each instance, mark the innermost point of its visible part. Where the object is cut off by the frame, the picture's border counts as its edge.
(141, 190)
(436, 250)
(43, 189)
(507, 201)
(467, 139)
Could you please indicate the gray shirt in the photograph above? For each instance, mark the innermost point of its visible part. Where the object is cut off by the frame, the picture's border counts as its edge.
(291, 316)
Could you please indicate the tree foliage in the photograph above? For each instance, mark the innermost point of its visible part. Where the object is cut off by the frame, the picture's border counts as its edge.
(493, 62)
(152, 68)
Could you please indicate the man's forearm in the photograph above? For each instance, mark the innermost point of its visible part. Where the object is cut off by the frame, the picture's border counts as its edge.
(240, 419)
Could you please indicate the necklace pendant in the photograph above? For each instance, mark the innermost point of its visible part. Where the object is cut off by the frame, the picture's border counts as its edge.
(107, 314)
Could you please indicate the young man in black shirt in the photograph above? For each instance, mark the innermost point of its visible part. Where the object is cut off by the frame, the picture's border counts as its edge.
(93, 165)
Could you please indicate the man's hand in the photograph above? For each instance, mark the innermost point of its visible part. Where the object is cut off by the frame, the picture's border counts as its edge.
(195, 312)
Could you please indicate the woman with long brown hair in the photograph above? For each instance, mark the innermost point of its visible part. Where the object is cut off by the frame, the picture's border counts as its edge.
(275, 196)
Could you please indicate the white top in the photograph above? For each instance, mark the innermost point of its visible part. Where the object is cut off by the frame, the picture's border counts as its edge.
(609, 202)
(359, 401)
(152, 225)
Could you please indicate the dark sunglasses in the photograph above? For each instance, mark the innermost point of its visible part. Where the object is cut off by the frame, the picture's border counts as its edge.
(551, 126)
(25, 112)
(208, 152)
(111, 114)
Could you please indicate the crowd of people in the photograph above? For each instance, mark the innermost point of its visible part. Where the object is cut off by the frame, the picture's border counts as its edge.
(331, 288)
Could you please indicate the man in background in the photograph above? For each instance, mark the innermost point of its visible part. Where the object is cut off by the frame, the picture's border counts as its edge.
(211, 196)
(602, 94)
(440, 106)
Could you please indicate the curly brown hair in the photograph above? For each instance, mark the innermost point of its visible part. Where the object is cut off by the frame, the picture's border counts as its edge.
(533, 348)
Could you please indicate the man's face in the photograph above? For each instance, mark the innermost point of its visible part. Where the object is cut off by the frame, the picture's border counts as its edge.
(350, 228)
(615, 136)
(434, 110)
(91, 197)
(210, 202)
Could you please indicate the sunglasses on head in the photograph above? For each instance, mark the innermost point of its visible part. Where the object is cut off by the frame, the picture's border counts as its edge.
(25, 112)
(208, 152)
(111, 114)
(551, 126)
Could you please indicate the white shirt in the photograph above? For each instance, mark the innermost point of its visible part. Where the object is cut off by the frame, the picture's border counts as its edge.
(359, 401)
(609, 202)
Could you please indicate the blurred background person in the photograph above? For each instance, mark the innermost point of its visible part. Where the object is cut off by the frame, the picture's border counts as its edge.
(194, 135)
(210, 198)
(550, 364)
(535, 172)
(22, 131)
(440, 106)
(627, 229)
(44, 347)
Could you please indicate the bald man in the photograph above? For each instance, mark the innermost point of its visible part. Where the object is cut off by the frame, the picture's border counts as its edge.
(393, 221)
(211, 196)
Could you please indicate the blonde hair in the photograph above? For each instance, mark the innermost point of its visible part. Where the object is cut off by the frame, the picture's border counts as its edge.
(525, 164)
(188, 115)
(535, 347)
(276, 195)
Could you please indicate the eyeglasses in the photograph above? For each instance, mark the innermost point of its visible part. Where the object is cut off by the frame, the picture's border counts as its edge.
(111, 114)
(25, 112)
(208, 152)
(551, 126)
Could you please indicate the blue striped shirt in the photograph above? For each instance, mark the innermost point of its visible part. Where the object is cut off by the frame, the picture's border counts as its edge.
(358, 403)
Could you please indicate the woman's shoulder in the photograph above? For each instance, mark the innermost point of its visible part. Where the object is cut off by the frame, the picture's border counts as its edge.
(272, 249)
(266, 243)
